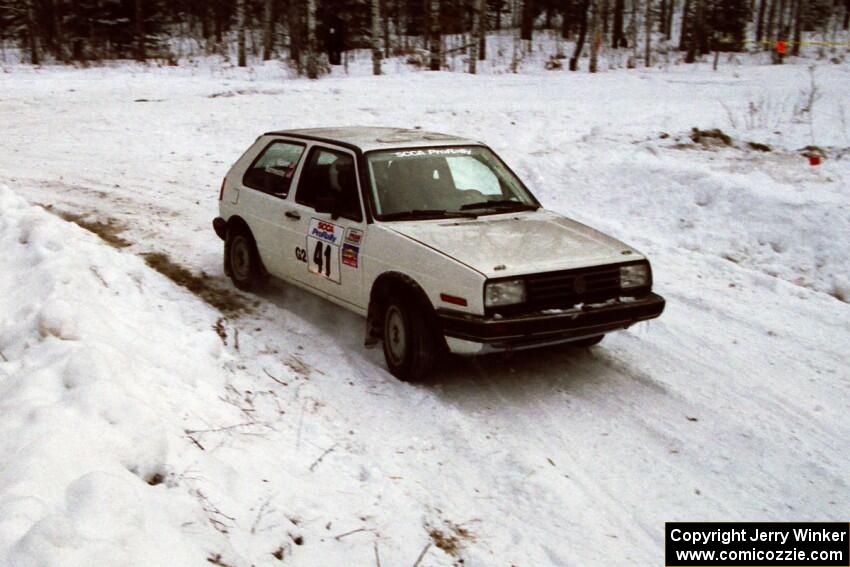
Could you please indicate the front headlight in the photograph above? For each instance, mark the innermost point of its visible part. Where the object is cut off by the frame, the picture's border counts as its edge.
(504, 293)
(636, 275)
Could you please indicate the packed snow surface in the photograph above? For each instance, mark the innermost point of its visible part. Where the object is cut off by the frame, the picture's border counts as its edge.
(143, 424)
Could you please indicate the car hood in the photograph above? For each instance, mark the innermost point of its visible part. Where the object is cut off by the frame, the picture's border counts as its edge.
(518, 243)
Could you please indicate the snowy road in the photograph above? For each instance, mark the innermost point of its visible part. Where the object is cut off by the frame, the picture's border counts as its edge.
(732, 406)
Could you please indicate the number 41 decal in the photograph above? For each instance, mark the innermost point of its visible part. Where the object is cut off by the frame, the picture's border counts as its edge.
(320, 262)
(323, 242)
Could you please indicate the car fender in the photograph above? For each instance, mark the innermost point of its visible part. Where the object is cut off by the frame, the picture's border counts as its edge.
(391, 259)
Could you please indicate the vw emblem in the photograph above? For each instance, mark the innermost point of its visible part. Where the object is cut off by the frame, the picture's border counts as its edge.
(579, 285)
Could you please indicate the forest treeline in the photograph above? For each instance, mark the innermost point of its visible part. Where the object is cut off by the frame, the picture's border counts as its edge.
(314, 33)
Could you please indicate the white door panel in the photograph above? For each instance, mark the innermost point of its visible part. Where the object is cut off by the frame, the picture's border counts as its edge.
(324, 253)
(327, 253)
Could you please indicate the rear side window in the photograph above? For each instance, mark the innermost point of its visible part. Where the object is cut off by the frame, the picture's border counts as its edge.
(334, 170)
(273, 169)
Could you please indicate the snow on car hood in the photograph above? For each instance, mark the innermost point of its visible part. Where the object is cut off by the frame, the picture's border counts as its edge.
(518, 243)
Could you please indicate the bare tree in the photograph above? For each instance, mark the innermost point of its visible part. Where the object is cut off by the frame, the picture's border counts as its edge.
(662, 15)
(769, 32)
(668, 23)
(426, 23)
(295, 30)
(760, 21)
(376, 37)
(604, 12)
(798, 27)
(526, 25)
(696, 32)
(567, 14)
(618, 39)
(58, 21)
(780, 26)
(647, 56)
(686, 22)
(436, 46)
(139, 29)
(268, 29)
(582, 33)
(385, 13)
(596, 35)
(312, 63)
(240, 31)
(633, 34)
(482, 34)
(477, 14)
(33, 33)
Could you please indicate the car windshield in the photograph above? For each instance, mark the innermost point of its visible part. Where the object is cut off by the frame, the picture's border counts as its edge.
(444, 182)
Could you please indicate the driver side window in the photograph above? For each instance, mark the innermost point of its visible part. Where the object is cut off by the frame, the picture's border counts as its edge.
(334, 171)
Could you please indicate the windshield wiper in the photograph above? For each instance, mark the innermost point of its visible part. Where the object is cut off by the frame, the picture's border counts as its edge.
(500, 204)
(428, 213)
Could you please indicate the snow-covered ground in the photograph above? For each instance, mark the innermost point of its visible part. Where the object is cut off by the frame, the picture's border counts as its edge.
(144, 424)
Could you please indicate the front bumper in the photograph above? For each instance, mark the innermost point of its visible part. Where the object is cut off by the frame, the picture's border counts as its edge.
(472, 334)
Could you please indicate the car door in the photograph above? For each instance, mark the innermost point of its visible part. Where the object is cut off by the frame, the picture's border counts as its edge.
(328, 249)
(265, 189)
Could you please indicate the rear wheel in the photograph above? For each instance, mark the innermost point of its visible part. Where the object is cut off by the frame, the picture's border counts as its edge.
(588, 342)
(243, 260)
(410, 344)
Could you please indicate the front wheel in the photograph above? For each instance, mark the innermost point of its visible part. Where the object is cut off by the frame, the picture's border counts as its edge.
(410, 345)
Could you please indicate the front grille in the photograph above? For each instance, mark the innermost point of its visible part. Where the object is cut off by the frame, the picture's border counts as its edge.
(564, 289)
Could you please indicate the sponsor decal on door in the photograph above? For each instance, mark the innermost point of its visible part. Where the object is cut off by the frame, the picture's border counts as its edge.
(326, 231)
(354, 236)
(323, 244)
(350, 255)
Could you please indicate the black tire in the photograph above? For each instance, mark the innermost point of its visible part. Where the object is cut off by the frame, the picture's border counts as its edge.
(411, 345)
(242, 261)
(588, 342)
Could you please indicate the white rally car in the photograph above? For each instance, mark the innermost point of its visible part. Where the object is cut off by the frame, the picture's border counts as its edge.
(431, 237)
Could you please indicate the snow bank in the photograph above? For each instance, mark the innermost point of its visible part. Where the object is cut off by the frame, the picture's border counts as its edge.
(98, 374)
(768, 212)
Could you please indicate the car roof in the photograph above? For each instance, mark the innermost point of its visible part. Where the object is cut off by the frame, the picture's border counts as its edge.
(368, 138)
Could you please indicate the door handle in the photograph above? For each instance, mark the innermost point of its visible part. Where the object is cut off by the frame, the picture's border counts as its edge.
(293, 215)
